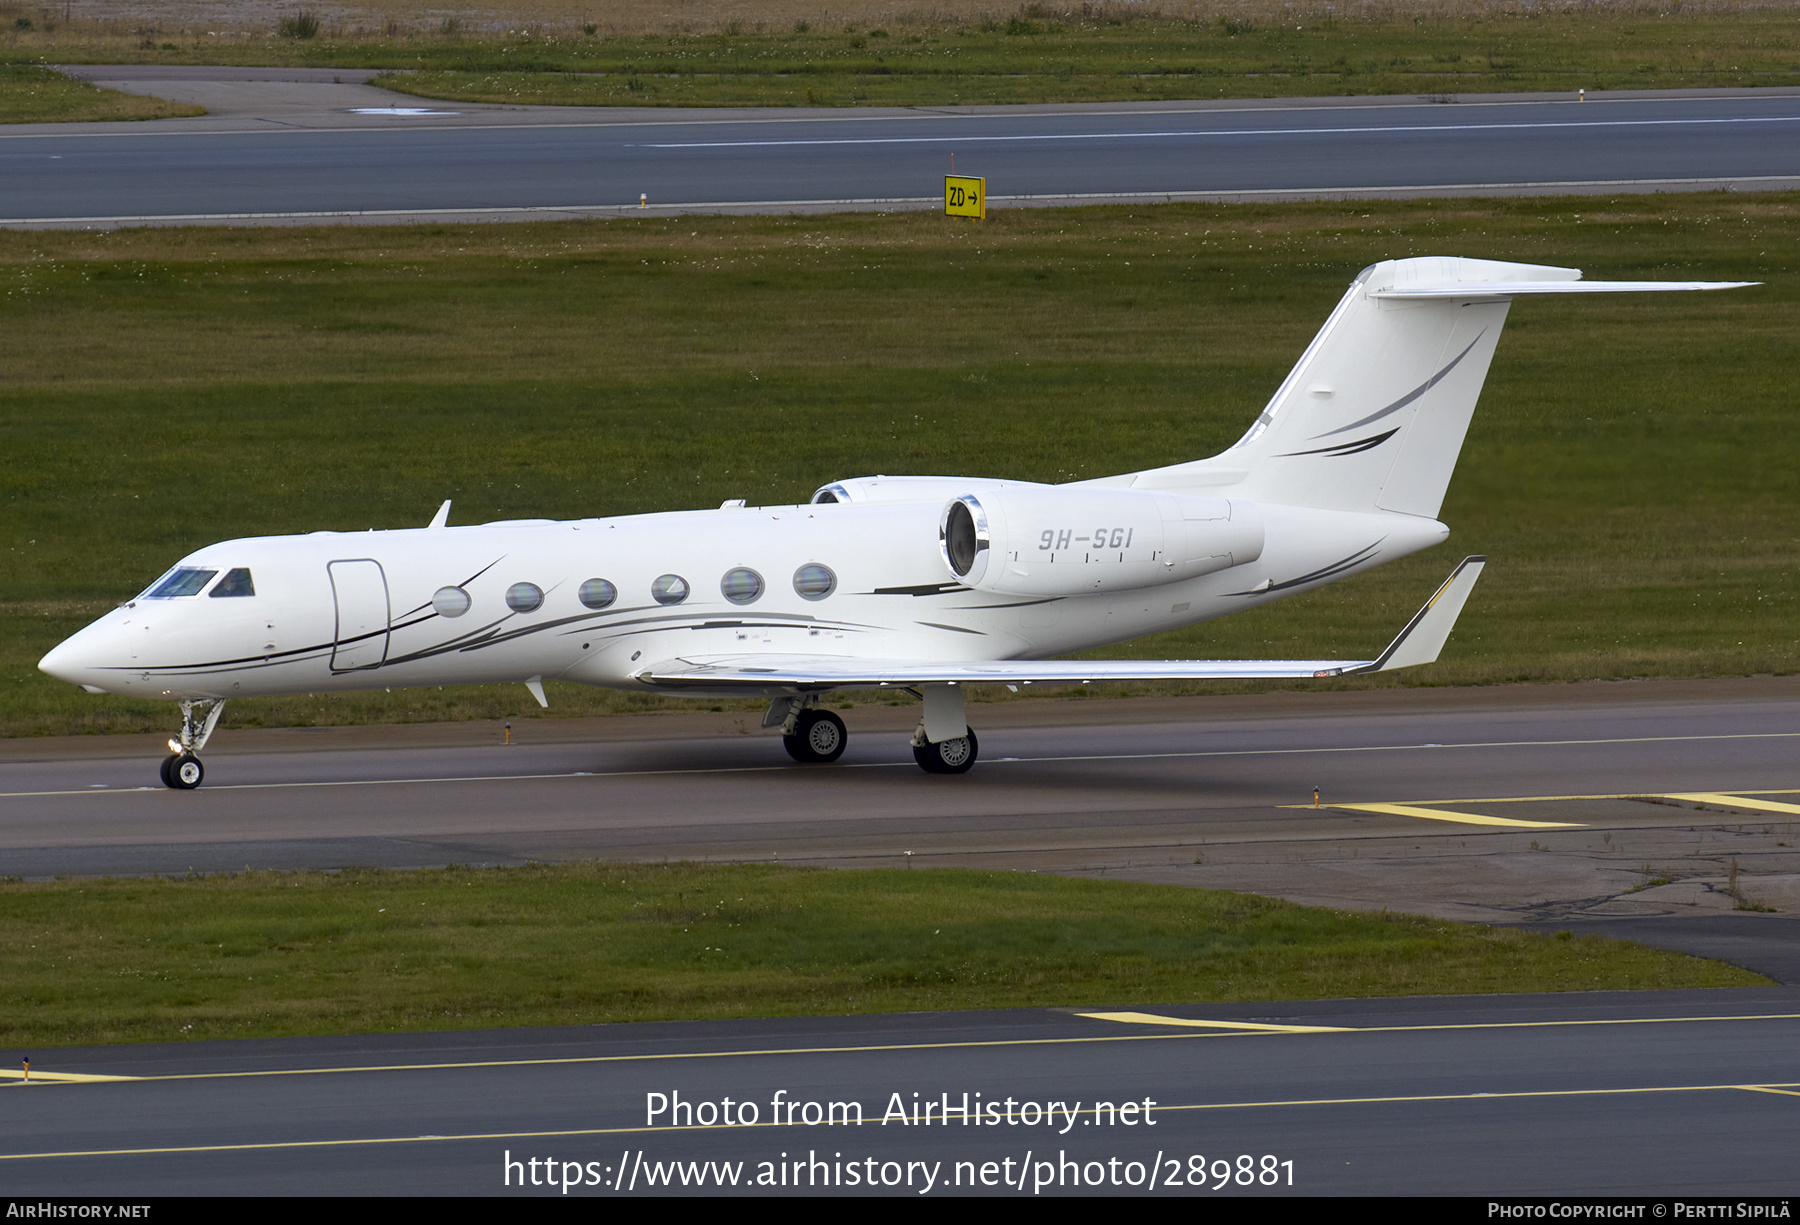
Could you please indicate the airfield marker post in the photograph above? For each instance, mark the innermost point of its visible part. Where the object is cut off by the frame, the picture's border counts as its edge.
(965, 197)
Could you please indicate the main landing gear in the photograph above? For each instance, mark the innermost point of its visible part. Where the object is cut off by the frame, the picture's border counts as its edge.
(181, 769)
(810, 735)
(953, 756)
(818, 737)
(943, 744)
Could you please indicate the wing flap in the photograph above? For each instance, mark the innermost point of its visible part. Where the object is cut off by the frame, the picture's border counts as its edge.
(815, 672)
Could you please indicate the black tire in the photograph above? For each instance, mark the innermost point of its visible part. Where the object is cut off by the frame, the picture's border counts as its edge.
(185, 772)
(948, 756)
(819, 737)
(166, 770)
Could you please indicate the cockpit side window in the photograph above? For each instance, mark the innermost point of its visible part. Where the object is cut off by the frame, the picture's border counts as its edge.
(184, 581)
(235, 582)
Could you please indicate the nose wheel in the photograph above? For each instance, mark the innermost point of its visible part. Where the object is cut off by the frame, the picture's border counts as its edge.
(182, 771)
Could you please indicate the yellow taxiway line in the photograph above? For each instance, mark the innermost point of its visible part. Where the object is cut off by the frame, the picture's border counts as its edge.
(1461, 818)
(353, 1142)
(1146, 1018)
(1194, 1029)
(1734, 801)
(1429, 809)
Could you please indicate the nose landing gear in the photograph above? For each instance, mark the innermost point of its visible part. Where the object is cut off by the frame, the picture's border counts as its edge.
(182, 772)
(181, 769)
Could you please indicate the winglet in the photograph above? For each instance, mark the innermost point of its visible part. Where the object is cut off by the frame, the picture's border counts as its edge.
(1424, 635)
(442, 518)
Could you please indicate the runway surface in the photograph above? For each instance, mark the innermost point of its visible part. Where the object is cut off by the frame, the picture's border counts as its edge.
(1529, 804)
(318, 148)
(1654, 1093)
(1618, 803)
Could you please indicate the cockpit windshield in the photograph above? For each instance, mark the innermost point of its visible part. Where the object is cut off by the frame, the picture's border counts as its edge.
(235, 582)
(183, 581)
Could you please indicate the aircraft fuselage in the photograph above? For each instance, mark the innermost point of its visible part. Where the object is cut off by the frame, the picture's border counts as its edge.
(597, 600)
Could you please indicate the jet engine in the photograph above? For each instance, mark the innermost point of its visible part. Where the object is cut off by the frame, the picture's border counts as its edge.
(1057, 541)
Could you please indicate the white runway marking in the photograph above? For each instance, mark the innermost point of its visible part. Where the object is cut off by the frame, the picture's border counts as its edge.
(1204, 132)
(1738, 182)
(893, 765)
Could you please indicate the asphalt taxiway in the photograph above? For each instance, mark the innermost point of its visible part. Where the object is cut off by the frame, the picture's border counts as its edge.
(1652, 1093)
(1658, 806)
(1618, 808)
(304, 145)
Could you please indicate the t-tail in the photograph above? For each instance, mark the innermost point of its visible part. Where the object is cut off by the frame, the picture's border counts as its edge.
(1373, 416)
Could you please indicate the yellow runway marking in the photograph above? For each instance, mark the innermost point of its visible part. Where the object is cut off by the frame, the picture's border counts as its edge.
(1208, 1029)
(59, 1077)
(1469, 1097)
(1624, 795)
(1149, 1018)
(1429, 810)
(624, 1131)
(1736, 801)
(1461, 818)
(1769, 1089)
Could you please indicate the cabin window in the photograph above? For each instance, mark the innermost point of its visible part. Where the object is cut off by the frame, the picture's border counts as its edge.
(598, 593)
(450, 601)
(235, 583)
(742, 585)
(184, 581)
(669, 589)
(814, 582)
(524, 597)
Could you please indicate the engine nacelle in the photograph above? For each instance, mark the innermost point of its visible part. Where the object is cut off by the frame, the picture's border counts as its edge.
(1053, 541)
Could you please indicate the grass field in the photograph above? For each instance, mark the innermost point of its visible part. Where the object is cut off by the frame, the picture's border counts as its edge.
(1028, 58)
(1630, 471)
(271, 954)
(783, 53)
(33, 94)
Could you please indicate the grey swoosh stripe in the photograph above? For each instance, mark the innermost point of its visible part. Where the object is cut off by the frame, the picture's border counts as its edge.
(1410, 396)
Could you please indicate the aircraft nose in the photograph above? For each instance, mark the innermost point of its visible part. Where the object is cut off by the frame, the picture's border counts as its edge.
(73, 661)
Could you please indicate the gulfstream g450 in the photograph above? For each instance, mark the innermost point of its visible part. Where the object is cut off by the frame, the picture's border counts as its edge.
(917, 583)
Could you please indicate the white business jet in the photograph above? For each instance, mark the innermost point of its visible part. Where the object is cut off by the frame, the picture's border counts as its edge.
(920, 584)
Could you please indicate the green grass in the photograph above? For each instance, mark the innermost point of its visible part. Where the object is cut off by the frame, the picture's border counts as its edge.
(1629, 471)
(1037, 55)
(33, 94)
(270, 954)
(1030, 59)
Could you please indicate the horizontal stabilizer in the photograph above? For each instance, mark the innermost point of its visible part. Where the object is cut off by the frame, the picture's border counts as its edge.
(1508, 289)
(1418, 643)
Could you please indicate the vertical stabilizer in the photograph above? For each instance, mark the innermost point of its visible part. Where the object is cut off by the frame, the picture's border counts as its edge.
(1374, 414)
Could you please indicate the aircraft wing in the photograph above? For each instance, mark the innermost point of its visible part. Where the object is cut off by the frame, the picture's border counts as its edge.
(1418, 643)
